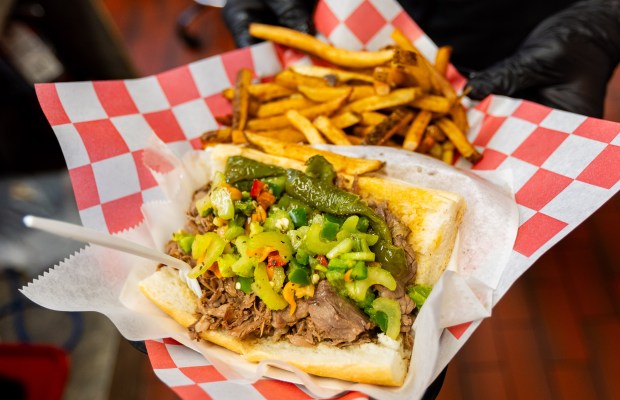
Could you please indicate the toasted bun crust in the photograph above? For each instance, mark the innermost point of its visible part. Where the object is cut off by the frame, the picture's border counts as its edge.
(433, 216)
(382, 363)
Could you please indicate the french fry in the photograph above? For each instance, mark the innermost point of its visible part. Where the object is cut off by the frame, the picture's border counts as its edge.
(396, 98)
(322, 72)
(280, 121)
(372, 118)
(310, 44)
(436, 133)
(294, 102)
(283, 162)
(430, 102)
(292, 80)
(355, 140)
(285, 134)
(457, 137)
(436, 150)
(241, 99)
(262, 91)
(345, 119)
(442, 59)
(421, 76)
(224, 119)
(459, 116)
(334, 134)
(362, 131)
(223, 135)
(438, 81)
(321, 94)
(394, 76)
(381, 88)
(381, 133)
(427, 141)
(343, 164)
(269, 91)
(448, 152)
(304, 125)
(238, 137)
(414, 134)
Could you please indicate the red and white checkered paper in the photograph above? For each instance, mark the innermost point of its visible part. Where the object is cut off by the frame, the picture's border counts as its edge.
(564, 165)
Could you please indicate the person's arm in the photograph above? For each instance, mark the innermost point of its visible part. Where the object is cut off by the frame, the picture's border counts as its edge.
(565, 62)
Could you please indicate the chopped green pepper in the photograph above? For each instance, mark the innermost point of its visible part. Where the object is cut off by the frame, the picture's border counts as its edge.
(363, 224)
(245, 207)
(245, 284)
(419, 294)
(299, 216)
(336, 220)
(184, 240)
(299, 274)
(276, 184)
(359, 271)
(329, 230)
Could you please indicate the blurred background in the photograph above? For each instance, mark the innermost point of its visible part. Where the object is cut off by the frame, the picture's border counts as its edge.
(553, 336)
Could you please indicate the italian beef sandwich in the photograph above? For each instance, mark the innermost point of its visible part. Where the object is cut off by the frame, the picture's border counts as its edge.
(299, 263)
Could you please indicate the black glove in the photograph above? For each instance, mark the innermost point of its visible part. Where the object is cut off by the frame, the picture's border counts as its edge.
(565, 62)
(294, 14)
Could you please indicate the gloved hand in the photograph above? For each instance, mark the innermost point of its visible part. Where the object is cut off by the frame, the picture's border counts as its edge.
(565, 62)
(294, 14)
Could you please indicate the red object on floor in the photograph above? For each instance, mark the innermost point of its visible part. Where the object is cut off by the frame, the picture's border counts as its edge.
(40, 369)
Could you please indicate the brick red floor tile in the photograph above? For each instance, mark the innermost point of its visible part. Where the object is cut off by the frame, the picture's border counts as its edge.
(573, 382)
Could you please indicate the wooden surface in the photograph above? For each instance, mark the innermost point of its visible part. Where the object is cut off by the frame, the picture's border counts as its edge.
(553, 336)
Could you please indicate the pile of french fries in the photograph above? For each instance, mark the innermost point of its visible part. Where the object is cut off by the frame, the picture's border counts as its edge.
(392, 97)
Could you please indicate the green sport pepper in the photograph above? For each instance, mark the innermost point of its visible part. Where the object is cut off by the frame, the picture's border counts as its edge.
(239, 168)
(328, 198)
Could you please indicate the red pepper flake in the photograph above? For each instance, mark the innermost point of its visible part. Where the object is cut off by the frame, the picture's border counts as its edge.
(275, 260)
(257, 188)
(322, 260)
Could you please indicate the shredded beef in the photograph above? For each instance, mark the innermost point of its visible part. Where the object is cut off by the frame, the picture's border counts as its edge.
(336, 318)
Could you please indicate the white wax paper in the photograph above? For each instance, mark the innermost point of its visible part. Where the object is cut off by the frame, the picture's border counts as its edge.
(103, 280)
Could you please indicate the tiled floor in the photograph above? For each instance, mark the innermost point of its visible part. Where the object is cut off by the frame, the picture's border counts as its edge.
(553, 336)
